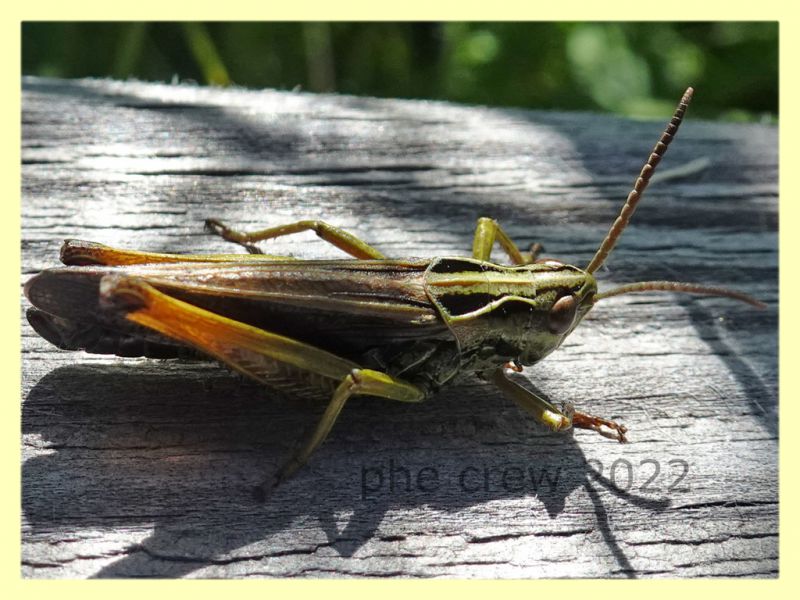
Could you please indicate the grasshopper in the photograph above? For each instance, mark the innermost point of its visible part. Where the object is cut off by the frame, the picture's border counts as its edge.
(368, 325)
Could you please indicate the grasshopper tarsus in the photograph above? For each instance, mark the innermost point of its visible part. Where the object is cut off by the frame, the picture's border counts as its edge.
(218, 228)
(259, 494)
(215, 226)
(264, 490)
(267, 487)
(605, 427)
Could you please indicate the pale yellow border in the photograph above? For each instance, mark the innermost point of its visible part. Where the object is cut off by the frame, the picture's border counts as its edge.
(410, 10)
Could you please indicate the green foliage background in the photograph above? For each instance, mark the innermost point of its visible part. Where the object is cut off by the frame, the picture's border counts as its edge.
(635, 69)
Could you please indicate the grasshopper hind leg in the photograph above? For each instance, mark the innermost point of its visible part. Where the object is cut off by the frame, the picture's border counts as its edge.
(358, 381)
(258, 354)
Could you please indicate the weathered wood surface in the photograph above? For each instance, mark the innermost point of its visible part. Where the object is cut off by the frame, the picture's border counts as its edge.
(136, 468)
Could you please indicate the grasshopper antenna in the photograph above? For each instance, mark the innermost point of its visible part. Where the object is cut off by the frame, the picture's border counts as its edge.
(625, 216)
(677, 286)
(641, 184)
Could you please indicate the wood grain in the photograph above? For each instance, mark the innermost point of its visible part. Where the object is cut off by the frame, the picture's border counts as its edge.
(137, 468)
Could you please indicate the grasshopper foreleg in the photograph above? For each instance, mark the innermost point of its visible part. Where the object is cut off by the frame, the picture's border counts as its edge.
(340, 238)
(488, 231)
(550, 416)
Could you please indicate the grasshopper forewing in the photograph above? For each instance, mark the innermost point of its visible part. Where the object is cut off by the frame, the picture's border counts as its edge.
(369, 325)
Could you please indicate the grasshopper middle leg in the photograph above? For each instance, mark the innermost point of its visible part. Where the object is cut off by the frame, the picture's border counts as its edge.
(488, 231)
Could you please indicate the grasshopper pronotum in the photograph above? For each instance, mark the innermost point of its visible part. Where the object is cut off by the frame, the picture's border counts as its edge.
(370, 325)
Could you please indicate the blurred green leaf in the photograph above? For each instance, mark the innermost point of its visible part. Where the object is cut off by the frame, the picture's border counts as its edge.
(634, 69)
(205, 53)
(128, 51)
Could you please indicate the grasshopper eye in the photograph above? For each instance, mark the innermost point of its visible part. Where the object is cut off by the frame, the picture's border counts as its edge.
(562, 314)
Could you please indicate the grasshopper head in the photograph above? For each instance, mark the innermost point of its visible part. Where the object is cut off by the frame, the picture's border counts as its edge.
(520, 314)
(509, 313)
(571, 292)
(565, 294)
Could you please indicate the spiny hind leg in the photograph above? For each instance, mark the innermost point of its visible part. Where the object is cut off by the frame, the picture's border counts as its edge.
(254, 352)
(340, 238)
(550, 416)
(488, 231)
